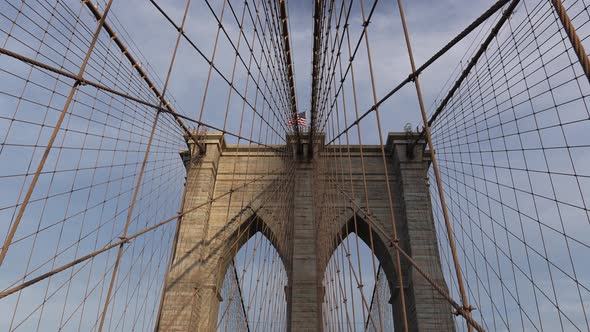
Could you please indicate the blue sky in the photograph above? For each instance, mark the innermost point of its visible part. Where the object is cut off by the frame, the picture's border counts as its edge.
(486, 176)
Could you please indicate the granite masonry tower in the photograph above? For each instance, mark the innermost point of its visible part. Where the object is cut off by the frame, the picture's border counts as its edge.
(201, 252)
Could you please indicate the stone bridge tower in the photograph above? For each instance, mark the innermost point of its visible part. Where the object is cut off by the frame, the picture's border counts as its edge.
(208, 238)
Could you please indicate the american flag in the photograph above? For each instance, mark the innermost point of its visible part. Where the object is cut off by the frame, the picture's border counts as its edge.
(301, 120)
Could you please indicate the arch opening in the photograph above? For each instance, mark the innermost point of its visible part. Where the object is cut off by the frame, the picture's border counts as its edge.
(357, 282)
(252, 296)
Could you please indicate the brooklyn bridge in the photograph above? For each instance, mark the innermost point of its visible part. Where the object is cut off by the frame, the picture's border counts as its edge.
(321, 165)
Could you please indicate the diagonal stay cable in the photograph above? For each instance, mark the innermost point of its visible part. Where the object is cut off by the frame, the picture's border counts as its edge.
(476, 23)
(127, 239)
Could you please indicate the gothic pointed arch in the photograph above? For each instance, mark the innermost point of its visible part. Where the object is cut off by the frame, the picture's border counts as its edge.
(365, 262)
(252, 291)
